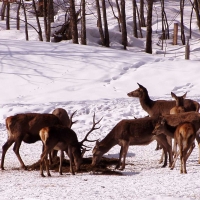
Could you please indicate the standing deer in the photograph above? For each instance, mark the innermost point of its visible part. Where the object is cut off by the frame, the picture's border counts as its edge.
(25, 127)
(65, 139)
(184, 135)
(66, 121)
(179, 108)
(159, 107)
(130, 132)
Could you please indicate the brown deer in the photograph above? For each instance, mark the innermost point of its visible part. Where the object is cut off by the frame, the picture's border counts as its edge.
(184, 135)
(25, 127)
(168, 124)
(66, 121)
(159, 107)
(65, 139)
(179, 108)
(130, 132)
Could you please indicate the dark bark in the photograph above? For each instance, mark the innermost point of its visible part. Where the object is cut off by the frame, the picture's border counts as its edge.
(99, 23)
(182, 2)
(142, 19)
(26, 24)
(38, 22)
(197, 8)
(73, 22)
(18, 18)
(135, 18)
(149, 28)
(8, 16)
(83, 24)
(106, 33)
(123, 21)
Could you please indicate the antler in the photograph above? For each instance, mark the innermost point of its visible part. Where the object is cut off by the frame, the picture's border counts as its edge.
(92, 129)
(71, 122)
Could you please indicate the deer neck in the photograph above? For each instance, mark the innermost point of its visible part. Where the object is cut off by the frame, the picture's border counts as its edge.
(108, 142)
(170, 131)
(146, 103)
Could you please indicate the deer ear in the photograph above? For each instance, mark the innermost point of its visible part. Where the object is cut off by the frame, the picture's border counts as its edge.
(140, 85)
(184, 95)
(173, 95)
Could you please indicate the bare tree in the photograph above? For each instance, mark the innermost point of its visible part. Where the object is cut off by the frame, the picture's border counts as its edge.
(149, 28)
(73, 21)
(143, 24)
(182, 2)
(7, 16)
(123, 21)
(83, 23)
(134, 18)
(18, 18)
(106, 33)
(99, 23)
(26, 22)
(197, 8)
(3, 9)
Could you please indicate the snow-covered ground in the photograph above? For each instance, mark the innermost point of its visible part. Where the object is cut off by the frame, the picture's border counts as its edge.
(39, 77)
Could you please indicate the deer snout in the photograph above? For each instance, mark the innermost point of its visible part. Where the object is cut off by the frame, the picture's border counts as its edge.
(129, 94)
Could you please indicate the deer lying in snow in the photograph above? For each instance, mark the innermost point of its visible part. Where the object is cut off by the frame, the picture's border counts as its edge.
(25, 127)
(65, 139)
(184, 135)
(130, 132)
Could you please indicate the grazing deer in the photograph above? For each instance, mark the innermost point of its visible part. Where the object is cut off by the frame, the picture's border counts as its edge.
(130, 132)
(66, 121)
(65, 139)
(25, 127)
(184, 135)
(179, 108)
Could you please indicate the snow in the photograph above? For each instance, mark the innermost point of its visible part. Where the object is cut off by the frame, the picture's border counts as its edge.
(39, 77)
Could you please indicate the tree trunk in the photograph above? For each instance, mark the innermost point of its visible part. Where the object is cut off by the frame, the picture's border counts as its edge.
(83, 24)
(197, 8)
(99, 22)
(149, 28)
(124, 31)
(49, 16)
(18, 17)
(38, 22)
(8, 16)
(106, 33)
(3, 10)
(135, 18)
(73, 21)
(26, 24)
(182, 25)
(45, 18)
(143, 24)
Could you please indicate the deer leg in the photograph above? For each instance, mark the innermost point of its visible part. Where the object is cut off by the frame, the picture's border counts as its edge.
(44, 159)
(47, 166)
(184, 161)
(175, 159)
(162, 157)
(70, 159)
(16, 150)
(61, 161)
(5, 147)
(165, 154)
(120, 157)
(190, 150)
(124, 153)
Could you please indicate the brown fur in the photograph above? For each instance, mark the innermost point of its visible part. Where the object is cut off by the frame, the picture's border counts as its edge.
(130, 132)
(64, 139)
(179, 108)
(159, 107)
(184, 136)
(25, 127)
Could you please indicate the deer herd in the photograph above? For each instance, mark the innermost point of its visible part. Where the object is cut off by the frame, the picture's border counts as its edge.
(167, 121)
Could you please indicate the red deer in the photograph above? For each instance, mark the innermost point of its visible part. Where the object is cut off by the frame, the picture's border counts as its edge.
(179, 108)
(168, 124)
(159, 107)
(184, 136)
(130, 132)
(66, 121)
(65, 139)
(25, 127)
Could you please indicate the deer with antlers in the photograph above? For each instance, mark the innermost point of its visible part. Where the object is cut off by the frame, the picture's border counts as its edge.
(25, 127)
(65, 139)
